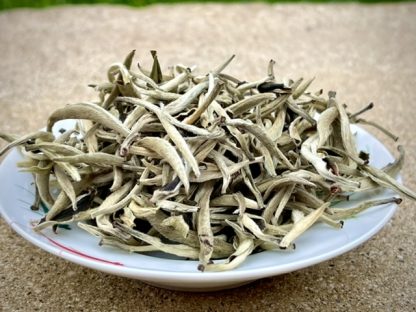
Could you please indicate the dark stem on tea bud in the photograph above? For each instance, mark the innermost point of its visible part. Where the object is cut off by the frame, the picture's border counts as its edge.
(37, 201)
(363, 110)
(270, 86)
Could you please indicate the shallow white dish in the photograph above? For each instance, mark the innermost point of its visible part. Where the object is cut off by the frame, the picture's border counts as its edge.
(318, 244)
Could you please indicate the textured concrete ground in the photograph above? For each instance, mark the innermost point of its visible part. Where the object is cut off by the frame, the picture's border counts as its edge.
(366, 53)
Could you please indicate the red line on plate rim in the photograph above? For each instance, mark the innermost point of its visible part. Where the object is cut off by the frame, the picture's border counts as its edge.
(79, 253)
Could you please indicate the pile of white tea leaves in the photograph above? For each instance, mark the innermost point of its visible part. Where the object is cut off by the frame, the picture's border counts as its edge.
(201, 166)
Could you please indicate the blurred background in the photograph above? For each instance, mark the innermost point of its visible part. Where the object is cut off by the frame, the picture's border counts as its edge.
(9, 4)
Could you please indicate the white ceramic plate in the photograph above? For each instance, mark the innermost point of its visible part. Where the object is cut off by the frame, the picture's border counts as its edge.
(318, 244)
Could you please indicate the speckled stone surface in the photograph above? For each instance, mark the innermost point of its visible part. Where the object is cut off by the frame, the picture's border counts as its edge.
(365, 53)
